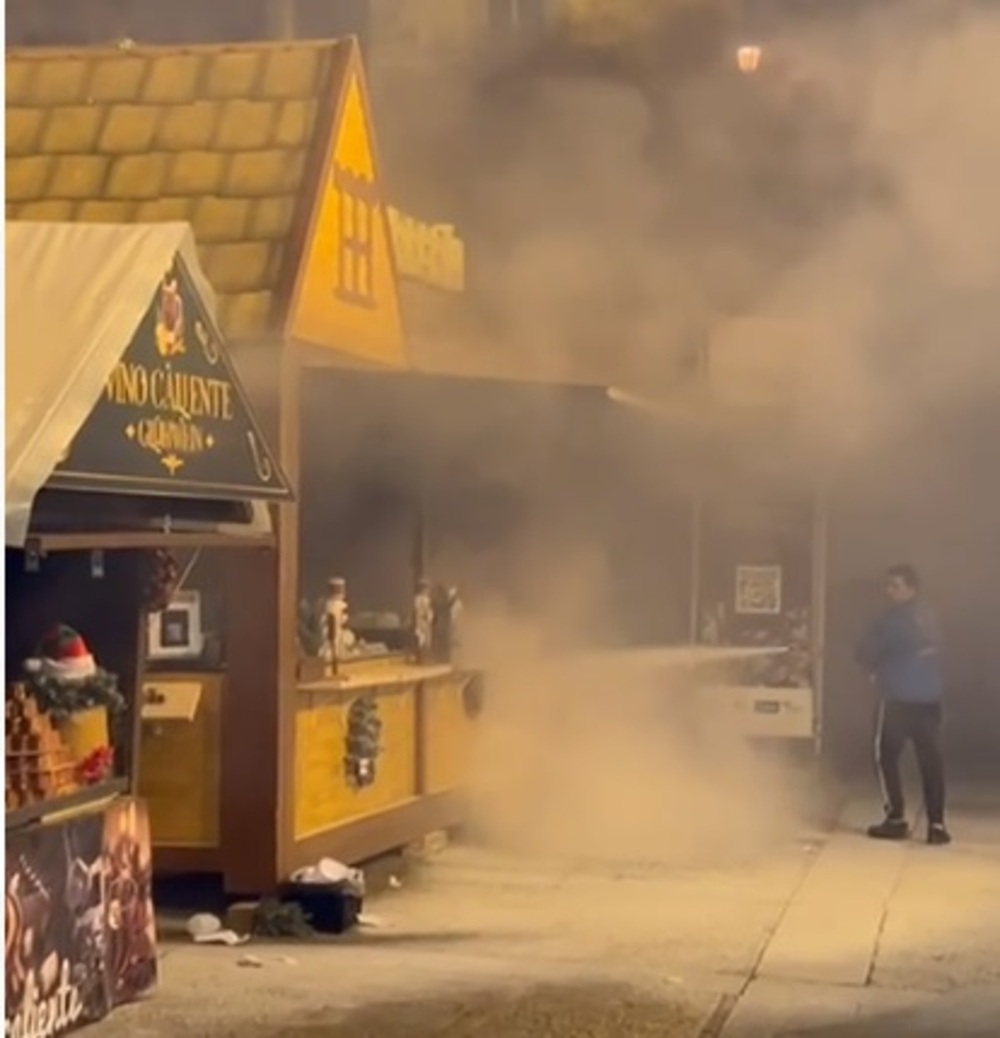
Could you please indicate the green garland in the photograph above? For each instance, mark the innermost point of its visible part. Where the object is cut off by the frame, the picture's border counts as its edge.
(312, 626)
(364, 736)
(272, 918)
(61, 698)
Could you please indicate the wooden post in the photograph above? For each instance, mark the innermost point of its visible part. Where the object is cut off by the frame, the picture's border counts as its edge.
(694, 617)
(258, 708)
(820, 549)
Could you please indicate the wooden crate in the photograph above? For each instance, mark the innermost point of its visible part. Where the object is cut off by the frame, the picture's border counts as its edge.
(39, 764)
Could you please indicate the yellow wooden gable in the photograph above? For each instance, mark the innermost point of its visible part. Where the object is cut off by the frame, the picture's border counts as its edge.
(267, 150)
(346, 297)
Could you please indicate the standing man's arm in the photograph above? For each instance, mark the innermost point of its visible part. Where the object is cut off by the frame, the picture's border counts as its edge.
(927, 633)
(870, 649)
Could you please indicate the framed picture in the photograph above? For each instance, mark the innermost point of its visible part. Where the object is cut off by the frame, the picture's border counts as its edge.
(175, 633)
(758, 590)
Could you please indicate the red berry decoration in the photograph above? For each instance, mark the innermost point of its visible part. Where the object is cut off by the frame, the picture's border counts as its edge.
(97, 766)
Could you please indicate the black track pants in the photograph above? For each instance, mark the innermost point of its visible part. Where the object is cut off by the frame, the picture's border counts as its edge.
(920, 723)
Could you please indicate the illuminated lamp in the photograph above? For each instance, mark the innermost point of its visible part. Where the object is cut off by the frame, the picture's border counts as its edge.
(748, 59)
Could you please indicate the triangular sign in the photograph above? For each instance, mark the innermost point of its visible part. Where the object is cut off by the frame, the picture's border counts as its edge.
(173, 418)
(345, 297)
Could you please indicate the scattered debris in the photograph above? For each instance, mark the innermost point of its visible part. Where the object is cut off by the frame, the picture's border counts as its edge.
(239, 916)
(206, 928)
(332, 873)
(227, 937)
(428, 846)
(281, 919)
(203, 923)
(250, 962)
(395, 883)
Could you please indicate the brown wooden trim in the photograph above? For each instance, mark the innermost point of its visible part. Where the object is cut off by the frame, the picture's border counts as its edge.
(356, 842)
(140, 639)
(380, 180)
(317, 169)
(68, 806)
(167, 50)
(152, 539)
(290, 419)
(180, 860)
(248, 742)
(116, 639)
(420, 731)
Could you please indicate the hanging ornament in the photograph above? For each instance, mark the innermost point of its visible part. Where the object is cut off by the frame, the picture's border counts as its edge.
(160, 582)
(363, 742)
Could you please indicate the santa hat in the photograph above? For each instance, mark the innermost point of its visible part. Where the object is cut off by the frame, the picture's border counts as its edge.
(64, 656)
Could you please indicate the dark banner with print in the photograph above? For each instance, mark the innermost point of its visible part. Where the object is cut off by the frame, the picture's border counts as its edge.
(80, 936)
(173, 418)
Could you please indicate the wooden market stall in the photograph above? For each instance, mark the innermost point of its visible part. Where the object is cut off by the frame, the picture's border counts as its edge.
(382, 733)
(128, 436)
(268, 152)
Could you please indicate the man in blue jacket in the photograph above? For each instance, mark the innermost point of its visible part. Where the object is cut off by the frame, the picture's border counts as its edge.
(901, 653)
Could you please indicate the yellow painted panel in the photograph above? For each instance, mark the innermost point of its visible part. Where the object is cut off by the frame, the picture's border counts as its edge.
(346, 297)
(449, 735)
(86, 732)
(324, 798)
(179, 771)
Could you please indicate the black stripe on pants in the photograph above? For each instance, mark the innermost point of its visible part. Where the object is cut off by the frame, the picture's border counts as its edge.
(919, 723)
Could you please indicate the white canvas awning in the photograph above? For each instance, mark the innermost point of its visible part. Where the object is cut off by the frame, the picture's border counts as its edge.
(76, 293)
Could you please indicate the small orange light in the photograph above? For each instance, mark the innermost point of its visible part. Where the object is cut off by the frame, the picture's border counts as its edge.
(748, 59)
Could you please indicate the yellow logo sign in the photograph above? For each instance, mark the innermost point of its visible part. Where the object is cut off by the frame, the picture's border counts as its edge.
(346, 297)
(429, 253)
(177, 400)
(170, 317)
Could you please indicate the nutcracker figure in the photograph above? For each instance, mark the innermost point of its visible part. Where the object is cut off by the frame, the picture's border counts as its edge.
(423, 620)
(339, 638)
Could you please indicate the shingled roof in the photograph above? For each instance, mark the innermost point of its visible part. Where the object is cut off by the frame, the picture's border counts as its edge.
(225, 138)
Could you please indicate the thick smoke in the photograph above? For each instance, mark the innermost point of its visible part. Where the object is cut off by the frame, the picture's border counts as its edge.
(626, 201)
(633, 202)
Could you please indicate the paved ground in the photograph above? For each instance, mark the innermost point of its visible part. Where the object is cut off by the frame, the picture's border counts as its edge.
(877, 933)
(820, 929)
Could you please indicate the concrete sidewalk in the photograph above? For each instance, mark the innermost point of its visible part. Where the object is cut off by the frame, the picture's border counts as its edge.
(658, 945)
(967, 1014)
(879, 929)
(810, 929)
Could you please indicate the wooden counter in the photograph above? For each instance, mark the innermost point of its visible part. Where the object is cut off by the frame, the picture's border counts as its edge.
(448, 732)
(180, 772)
(426, 741)
(425, 745)
(324, 797)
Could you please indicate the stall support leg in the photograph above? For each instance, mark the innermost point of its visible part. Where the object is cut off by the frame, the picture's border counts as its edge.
(259, 705)
(249, 780)
(820, 547)
(695, 576)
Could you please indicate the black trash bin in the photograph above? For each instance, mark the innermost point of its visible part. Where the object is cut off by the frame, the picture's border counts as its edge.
(331, 908)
